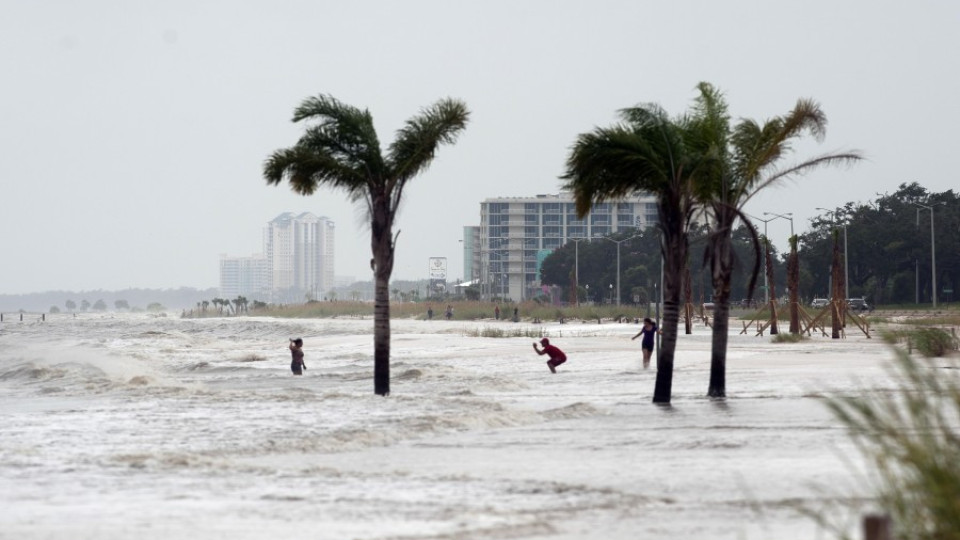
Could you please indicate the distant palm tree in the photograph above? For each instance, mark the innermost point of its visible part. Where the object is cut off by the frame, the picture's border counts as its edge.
(793, 284)
(750, 153)
(342, 151)
(648, 152)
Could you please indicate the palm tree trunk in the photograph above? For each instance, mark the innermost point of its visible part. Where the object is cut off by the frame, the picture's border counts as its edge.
(835, 299)
(793, 283)
(382, 246)
(774, 329)
(687, 299)
(674, 254)
(381, 336)
(722, 272)
(720, 336)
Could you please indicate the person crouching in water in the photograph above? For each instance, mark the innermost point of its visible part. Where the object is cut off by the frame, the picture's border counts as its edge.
(648, 331)
(296, 350)
(556, 355)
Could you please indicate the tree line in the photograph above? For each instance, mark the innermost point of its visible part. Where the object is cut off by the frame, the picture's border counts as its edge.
(889, 247)
(888, 255)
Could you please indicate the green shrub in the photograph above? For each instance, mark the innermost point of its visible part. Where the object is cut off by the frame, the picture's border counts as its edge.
(787, 337)
(932, 342)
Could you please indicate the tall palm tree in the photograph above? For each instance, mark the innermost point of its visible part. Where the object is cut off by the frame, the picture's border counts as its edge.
(793, 283)
(751, 154)
(647, 152)
(341, 150)
(771, 283)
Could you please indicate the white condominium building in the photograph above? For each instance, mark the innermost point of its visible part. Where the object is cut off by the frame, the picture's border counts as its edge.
(299, 253)
(244, 276)
(517, 233)
(296, 264)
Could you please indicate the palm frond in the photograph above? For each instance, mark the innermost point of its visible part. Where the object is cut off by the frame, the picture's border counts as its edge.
(759, 147)
(307, 169)
(342, 130)
(612, 163)
(416, 144)
(644, 115)
(799, 169)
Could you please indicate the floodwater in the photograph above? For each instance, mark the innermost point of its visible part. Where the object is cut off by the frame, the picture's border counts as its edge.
(132, 426)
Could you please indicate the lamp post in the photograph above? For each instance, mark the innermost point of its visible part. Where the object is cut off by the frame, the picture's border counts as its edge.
(766, 286)
(618, 242)
(576, 266)
(846, 267)
(933, 250)
(788, 215)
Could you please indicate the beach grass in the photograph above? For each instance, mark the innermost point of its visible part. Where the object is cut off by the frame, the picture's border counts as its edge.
(911, 439)
(463, 310)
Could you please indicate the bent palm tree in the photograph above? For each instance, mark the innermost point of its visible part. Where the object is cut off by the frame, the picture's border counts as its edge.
(751, 154)
(646, 152)
(342, 151)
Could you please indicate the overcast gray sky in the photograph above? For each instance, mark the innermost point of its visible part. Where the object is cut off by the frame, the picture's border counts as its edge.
(133, 133)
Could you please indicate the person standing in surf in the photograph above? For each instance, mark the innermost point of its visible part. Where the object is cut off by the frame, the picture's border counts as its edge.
(556, 355)
(296, 350)
(648, 331)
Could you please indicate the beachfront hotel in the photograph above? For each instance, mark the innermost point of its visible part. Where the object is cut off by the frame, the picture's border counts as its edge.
(296, 263)
(517, 233)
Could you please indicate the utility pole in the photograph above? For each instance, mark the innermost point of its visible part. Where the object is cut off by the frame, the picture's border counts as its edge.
(618, 242)
(933, 251)
(576, 266)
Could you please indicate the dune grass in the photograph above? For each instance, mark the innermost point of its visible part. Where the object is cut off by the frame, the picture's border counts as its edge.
(911, 438)
(462, 311)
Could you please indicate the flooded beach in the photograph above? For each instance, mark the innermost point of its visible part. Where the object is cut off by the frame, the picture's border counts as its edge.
(154, 427)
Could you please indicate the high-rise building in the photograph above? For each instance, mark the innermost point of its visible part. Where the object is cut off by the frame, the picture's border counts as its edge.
(471, 253)
(299, 252)
(517, 233)
(244, 276)
(296, 264)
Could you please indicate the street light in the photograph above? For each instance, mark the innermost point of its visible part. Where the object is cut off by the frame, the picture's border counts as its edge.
(766, 286)
(618, 242)
(576, 266)
(846, 272)
(933, 249)
(788, 215)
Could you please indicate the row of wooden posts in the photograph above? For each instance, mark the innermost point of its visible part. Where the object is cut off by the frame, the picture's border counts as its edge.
(837, 309)
(6, 317)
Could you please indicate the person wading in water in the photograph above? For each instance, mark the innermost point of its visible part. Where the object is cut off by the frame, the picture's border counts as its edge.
(648, 331)
(296, 350)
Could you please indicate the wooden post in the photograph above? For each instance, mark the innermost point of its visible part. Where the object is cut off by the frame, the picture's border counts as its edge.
(877, 527)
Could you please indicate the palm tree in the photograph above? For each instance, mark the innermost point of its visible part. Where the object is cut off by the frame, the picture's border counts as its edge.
(342, 151)
(751, 153)
(774, 328)
(647, 152)
(837, 294)
(793, 283)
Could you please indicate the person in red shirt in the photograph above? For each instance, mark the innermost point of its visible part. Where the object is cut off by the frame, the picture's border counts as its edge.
(556, 355)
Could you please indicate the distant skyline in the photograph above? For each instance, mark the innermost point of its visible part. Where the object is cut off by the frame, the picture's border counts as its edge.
(134, 133)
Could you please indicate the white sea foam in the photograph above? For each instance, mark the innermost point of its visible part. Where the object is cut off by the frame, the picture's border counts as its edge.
(119, 426)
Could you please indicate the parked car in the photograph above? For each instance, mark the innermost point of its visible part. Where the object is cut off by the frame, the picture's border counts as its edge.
(858, 304)
(819, 302)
